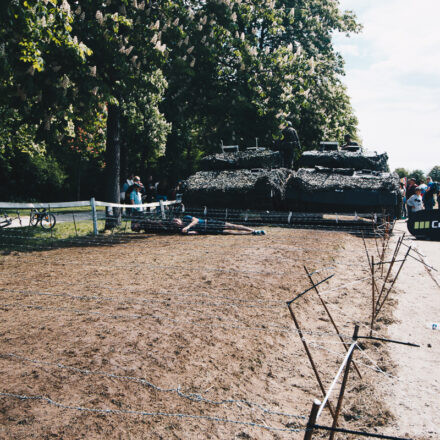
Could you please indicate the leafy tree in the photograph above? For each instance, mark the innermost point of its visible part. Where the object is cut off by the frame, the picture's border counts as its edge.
(240, 69)
(435, 173)
(401, 172)
(419, 175)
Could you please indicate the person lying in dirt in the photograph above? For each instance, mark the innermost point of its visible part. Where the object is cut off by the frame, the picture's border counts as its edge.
(193, 226)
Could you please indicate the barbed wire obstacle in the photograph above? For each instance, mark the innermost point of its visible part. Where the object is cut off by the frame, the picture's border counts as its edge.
(318, 406)
(108, 411)
(193, 397)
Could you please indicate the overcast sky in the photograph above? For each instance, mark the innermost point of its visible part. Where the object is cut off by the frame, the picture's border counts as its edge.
(393, 78)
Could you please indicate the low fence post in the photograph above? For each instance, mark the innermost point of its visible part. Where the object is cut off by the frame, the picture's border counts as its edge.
(312, 419)
(162, 210)
(94, 216)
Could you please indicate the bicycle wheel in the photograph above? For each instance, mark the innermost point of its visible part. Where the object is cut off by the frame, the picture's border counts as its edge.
(33, 218)
(48, 221)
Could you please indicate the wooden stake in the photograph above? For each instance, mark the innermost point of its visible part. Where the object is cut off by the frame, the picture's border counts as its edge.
(309, 355)
(331, 318)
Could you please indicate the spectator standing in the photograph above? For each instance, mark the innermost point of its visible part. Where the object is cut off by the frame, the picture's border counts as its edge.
(415, 202)
(126, 185)
(423, 187)
(428, 197)
(136, 196)
(411, 188)
(403, 193)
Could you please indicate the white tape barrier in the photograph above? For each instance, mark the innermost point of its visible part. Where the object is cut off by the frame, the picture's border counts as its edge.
(13, 205)
(144, 205)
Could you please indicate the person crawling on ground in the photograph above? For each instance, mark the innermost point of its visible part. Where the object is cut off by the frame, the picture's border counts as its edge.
(193, 225)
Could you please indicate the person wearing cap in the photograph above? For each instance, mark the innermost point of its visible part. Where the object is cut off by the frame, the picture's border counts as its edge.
(415, 202)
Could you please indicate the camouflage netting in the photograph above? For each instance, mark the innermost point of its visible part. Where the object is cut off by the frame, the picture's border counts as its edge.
(260, 158)
(241, 189)
(319, 189)
(364, 160)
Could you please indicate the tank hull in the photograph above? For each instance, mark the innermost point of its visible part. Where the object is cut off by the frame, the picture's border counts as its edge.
(327, 190)
(239, 189)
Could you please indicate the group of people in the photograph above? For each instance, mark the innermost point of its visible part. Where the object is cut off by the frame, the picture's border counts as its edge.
(134, 192)
(419, 196)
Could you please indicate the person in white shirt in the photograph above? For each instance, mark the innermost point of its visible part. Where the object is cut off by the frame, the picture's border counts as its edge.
(415, 202)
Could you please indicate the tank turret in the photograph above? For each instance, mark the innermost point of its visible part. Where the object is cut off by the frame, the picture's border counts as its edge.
(252, 179)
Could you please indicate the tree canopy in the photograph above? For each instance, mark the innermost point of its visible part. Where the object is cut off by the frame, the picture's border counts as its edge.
(161, 83)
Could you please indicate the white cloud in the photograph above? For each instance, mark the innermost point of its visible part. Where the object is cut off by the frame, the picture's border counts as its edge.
(394, 78)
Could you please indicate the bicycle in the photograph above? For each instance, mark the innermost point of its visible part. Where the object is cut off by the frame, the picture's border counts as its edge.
(46, 219)
(7, 221)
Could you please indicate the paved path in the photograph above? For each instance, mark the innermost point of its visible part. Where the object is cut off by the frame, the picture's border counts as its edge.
(415, 398)
(61, 218)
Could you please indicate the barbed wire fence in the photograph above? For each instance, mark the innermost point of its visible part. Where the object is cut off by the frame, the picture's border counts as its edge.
(349, 343)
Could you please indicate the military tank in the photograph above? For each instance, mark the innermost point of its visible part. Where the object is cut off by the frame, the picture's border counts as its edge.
(326, 180)
(343, 180)
(249, 179)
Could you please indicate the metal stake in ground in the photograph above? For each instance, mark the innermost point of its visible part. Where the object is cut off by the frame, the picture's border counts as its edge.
(331, 317)
(344, 383)
(312, 419)
(74, 224)
(309, 355)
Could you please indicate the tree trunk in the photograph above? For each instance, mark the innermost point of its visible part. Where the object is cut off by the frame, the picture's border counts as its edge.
(113, 166)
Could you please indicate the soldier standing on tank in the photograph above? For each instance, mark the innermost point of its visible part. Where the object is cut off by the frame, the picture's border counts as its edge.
(348, 142)
(288, 145)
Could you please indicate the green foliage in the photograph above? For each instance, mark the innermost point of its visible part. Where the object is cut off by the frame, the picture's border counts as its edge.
(401, 172)
(435, 173)
(419, 175)
(183, 74)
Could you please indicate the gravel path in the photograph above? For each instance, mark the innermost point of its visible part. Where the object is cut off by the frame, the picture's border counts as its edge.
(414, 398)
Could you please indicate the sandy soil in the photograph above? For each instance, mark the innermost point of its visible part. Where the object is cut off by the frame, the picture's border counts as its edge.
(93, 327)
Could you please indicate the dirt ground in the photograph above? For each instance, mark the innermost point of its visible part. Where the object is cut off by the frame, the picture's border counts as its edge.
(169, 337)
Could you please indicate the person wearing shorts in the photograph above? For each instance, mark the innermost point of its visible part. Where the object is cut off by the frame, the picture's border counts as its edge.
(193, 225)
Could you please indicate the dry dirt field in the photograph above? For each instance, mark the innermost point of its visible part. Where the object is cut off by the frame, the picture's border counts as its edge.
(185, 338)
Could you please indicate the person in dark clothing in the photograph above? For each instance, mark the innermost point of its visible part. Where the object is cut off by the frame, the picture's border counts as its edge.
(348, 143)
(288, 145)
(428, 197)
(411, 188)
